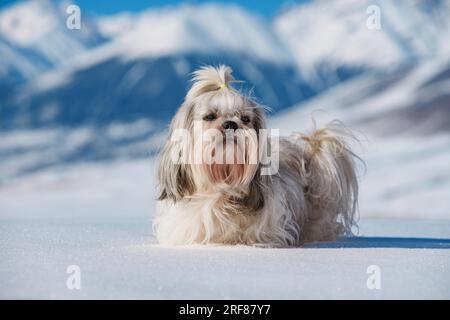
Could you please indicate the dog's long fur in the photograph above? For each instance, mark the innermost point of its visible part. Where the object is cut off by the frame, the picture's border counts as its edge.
(312, 197)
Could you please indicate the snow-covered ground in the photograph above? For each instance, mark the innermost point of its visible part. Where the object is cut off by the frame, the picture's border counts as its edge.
(98, 216)
(117, 259)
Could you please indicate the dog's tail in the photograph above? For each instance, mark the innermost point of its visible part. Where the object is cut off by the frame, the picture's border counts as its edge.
(332, 186)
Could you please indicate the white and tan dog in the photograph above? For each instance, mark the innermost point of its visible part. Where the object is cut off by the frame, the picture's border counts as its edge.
(217, 188)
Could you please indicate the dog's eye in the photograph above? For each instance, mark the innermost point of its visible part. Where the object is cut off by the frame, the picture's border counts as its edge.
(210, 117)
(245, 119)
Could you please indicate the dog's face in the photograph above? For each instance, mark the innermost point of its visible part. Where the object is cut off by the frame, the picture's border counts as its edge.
(226, 111)
(228, 139)
(222, 152)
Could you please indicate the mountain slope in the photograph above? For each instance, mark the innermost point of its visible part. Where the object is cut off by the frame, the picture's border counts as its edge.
(413, 101)
(145, 70)
(209, 29)
(328, 38)
(34, 39)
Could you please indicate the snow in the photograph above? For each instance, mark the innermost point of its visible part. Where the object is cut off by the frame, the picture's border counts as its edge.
(210, 29)
(175, 30)
(117, 260)
(23, 23)
(344, 38)
(11, 58)
(34, 38)
(24, 151)
(368, 96)
(187, 28)
(98, 216)
(116, 25)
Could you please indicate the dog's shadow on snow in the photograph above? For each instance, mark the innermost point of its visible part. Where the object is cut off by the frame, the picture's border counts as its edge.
(384, 242)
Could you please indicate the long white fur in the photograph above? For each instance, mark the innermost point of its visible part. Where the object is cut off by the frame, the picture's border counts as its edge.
(313, 197)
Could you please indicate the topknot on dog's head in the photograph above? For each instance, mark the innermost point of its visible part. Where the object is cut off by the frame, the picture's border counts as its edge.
(208, 79)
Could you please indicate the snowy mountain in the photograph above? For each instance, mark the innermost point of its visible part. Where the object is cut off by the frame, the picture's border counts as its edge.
(143, 71)
(331, 40)
(413, 102)
(209, 29)
(34, 40)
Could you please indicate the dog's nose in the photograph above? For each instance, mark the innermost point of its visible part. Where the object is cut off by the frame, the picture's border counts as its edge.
(230, 125)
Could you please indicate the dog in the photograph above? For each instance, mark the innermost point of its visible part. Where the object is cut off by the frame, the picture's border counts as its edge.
(308, 193)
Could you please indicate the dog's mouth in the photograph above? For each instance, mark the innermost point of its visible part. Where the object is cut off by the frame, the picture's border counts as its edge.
(233, 165)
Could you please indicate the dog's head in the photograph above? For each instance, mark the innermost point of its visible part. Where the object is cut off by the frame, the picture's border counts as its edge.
(213, 143)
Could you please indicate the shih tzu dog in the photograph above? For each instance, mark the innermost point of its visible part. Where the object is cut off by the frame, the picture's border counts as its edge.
(218, 184)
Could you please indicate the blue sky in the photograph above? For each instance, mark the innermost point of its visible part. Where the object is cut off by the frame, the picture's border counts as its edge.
(265, 7)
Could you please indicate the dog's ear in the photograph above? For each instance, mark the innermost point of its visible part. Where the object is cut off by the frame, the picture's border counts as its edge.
(174, 174)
